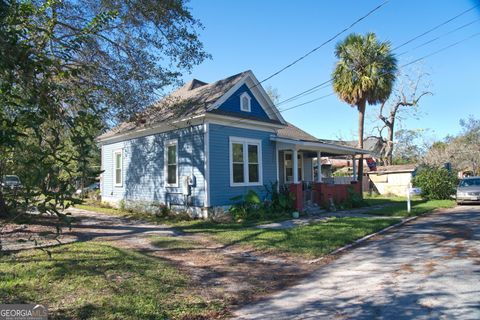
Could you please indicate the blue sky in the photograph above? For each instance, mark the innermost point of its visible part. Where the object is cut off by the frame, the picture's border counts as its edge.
(265, 35)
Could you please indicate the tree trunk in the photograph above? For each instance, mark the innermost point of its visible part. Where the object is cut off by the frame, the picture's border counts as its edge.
(361, 122)
(389, 147)
(3, 206)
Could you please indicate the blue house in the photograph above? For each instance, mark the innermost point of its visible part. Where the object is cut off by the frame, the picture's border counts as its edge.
(208, 142)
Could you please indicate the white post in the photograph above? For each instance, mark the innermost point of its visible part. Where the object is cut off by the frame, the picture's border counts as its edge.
(295, 165)
(409, 205)
(319, 166)
(354, 167)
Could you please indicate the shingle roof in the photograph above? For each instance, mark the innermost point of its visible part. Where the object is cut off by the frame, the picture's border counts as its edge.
(293, 132)
(192, 99)
(395, 168)
(372, 144)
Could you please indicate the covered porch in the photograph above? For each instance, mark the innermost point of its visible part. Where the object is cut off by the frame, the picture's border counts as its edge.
(300, 170)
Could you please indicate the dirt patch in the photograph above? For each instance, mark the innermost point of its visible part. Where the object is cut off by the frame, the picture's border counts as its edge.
(236, 275)
(429, 267)
(404, 268)
(39, 231)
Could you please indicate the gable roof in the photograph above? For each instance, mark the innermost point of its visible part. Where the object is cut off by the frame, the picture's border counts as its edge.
(192, 99)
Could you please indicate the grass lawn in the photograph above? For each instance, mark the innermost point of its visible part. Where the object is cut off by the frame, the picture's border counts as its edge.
(307, 241)
(397, 206)
(98, 281)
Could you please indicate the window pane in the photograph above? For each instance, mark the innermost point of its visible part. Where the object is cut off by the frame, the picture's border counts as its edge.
(288, 156)
(118, 160)
(245, 103)
(238, 173)
(237, 152)
(289, 174)
(253, 173)
(252, 153)
(172, 154)
(172, 174)
(118, 176)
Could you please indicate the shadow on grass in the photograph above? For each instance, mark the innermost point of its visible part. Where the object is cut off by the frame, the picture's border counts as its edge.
(97, 280)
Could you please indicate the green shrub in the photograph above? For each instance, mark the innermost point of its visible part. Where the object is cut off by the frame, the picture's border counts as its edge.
(280, 201)
(436, 183)
(354, 200)
(246, 207)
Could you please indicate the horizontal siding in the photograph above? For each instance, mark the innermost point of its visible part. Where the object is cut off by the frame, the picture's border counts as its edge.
(220, 189)
(144, 167)
(232, 104)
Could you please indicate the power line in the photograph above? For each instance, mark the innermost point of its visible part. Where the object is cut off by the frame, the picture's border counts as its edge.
(330, 94)
(325, 42)
(402, 66)
(304, 93)
(441, 36)
(442, 49)
(321, 85)
(436, 27)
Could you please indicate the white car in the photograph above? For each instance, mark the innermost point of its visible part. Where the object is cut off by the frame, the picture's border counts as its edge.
(468, 190)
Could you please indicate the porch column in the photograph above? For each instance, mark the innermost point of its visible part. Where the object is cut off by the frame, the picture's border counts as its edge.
(319, 166)
(295, 186)
(354, 167)
(295, 165)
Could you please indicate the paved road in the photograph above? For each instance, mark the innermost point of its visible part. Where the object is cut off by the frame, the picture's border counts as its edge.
(428, 269)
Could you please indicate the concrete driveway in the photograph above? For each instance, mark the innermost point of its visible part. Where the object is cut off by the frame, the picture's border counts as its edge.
(427, 269)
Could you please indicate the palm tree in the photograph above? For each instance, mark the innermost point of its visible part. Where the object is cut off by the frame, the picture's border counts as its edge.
(365, 72)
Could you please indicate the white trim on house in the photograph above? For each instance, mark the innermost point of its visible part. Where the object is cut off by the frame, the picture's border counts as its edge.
(286, 144)
(300, 164)
(258, 92)
(206, 140)
(157, 128)
(248, 107)
(257, 85)
(115, 153)
(169, 143)
(243, 123)
(246, 142)
(277, 168)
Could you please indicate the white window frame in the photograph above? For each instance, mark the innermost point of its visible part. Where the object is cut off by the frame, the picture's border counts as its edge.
(169, 143)
(115, 153)
(300, 164)
(249, 104)
(246, 142)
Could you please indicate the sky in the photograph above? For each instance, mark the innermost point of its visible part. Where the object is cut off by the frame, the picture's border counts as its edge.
(264, 36)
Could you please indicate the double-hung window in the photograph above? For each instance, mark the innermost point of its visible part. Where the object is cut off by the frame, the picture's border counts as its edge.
(171, 162)
(245, 162)
(118, 167)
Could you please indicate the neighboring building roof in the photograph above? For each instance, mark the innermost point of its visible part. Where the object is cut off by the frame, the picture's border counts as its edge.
(293, 132)
(372, 144)
(395, 169)
(192, 99)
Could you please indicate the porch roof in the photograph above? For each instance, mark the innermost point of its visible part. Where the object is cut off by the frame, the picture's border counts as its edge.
(327, 149)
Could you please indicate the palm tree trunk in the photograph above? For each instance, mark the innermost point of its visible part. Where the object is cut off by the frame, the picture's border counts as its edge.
(361, 121)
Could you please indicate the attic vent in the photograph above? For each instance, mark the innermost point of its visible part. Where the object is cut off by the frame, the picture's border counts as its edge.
(245, 102)
(196, 84)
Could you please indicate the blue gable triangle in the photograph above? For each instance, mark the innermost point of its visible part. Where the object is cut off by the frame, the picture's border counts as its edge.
(232, 105)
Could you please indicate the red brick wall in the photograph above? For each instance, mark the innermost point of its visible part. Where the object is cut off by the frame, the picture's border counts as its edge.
(337, 192)
(297, 190)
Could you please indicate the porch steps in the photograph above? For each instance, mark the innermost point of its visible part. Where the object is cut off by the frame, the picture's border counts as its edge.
(312, 209)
